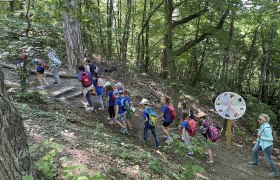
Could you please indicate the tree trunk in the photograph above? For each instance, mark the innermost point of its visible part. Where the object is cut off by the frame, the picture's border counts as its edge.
(73, 41)
(109, 27)
(15, 160)
(265, 63)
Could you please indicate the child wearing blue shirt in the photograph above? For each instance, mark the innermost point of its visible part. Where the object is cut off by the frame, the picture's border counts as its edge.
(165, 101)
(147, 126)
(110, 101)
(119, 113)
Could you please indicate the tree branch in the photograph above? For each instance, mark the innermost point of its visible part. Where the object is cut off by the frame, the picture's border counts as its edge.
(191, 17)
(202, 37)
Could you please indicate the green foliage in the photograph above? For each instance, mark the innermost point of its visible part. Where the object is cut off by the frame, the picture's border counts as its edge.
(27, 177)
(254, 109)
(47, 165)
(68, 172)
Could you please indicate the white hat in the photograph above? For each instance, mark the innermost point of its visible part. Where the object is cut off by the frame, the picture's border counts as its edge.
(107, 83)
(144, 101)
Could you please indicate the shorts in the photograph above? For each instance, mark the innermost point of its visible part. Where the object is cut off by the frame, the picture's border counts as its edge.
(166, 124)
(121, 117)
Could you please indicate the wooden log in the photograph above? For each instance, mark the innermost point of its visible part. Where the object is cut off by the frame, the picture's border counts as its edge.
(74, 95)
(62, 91)
(32, 71)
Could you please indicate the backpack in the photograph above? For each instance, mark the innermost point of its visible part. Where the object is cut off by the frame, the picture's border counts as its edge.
(213, 132)
(86, 80)
(192, 127)
(92, 69)
(172, 111)
(151, 116)
(124, 104)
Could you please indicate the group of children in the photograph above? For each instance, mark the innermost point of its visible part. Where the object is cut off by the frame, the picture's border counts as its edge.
(119, 107)
(187, 127)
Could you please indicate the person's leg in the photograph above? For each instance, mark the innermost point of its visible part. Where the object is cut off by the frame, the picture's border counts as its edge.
(39, 76)
(145, 135)
(56, 78)
(267, 154)
(165, 130)
(128, 124)
(111, 111)
(255, 154)
(44, 80)
(153, 129)
(88, 96)
(100, 100)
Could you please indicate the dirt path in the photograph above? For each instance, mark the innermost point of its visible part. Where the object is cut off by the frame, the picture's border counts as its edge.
(229, 163)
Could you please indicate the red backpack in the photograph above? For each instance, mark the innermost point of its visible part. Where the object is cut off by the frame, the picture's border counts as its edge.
(172, 111)
(192, 127)
(86, 80)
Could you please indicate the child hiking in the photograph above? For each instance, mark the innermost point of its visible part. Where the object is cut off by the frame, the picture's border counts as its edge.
(165, 113)
(127, 101)
(148, 114)
(86, 80)
(205, 132)
(40, 69)
(185, 137)
(99, 89)
(110, 101)
(119, 113)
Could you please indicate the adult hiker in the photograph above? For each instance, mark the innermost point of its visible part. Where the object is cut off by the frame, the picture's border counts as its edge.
(264, 142)
(86, 80)
(148, 115)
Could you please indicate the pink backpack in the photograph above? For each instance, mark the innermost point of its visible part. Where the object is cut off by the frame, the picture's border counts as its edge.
(192, 127)
(172, 111)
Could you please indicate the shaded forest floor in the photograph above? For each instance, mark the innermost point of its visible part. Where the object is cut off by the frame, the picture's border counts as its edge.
(85, 143)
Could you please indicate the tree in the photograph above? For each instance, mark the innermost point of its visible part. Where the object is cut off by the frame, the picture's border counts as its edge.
(15, 160)
(72, 35)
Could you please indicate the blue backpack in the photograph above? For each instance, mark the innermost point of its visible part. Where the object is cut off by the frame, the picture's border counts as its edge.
(124, 104)
(151, 116)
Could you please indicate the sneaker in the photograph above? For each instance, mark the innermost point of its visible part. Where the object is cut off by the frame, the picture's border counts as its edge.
(159, 146)
(130, 130)
(210, 162)
(108, 118)
(101, 109)
(190, 154)
(253, 163)
(90, 108)
(168, 140)
(164, 136)
(55, 83)
(274, 174)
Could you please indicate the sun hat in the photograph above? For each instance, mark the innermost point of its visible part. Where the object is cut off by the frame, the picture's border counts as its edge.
(116, 92)
(144, 101)
(201, 114)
